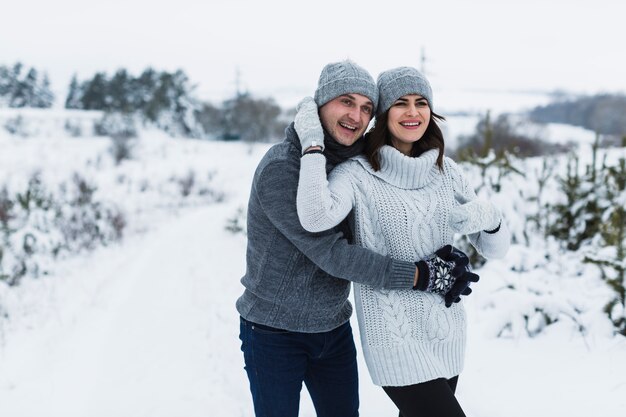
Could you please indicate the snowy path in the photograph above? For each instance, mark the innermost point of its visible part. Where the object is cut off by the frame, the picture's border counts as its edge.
(150, 343)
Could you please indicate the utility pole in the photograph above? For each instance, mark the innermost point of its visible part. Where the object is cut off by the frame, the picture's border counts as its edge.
(237, 82)
(423, 61)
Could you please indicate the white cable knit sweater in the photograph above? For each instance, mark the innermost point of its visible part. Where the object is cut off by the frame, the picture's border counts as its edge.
(408, 336)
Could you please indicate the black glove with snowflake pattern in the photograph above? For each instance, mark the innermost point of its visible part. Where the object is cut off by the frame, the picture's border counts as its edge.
(447, 272)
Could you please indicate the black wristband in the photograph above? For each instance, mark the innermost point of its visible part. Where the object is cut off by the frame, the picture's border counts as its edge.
(494, 230)
(312, 151)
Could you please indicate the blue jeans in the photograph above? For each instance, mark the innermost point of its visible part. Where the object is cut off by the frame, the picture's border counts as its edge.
(278, 361)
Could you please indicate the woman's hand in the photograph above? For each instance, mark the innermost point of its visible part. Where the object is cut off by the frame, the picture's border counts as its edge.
(308, 125)
(474, 216)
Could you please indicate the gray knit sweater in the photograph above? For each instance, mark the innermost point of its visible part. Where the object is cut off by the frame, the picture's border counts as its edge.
(296, 280)
(402, 211)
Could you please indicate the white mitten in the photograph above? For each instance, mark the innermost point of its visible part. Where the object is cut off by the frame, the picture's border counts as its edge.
(308, 125)
(474, 216)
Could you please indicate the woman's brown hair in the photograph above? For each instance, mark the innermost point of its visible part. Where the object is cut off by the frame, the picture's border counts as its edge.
(379, 135)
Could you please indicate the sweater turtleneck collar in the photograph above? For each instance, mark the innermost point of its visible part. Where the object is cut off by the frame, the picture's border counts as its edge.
(404, 171)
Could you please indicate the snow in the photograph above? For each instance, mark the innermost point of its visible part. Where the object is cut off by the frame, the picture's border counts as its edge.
(475, 101)
(148, 327)
(49, 122)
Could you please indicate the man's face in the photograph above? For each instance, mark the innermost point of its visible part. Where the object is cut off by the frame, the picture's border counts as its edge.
(346, 117)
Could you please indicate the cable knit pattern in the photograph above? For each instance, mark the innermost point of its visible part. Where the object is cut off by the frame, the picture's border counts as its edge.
(402, 211)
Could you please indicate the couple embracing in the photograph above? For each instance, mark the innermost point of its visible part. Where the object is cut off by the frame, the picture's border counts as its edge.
(330, 206)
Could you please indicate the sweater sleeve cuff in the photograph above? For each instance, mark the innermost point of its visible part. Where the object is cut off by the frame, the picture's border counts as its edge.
(402, 276)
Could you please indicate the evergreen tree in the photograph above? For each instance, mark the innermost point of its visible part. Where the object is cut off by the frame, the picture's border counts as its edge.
(45, 96)
(16, 71)
(171, 105)
(120, 91)
(74, 95)
(5, 85)
(30, 88)
(160, 97)
(144, 91)
(182, 104)
(591, 219)
(24, 91)
(611, 254)
(94, 95)
(19, 88)
(578, 218)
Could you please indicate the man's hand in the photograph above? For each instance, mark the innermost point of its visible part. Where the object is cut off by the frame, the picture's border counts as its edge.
(308, 125)
(447, 273)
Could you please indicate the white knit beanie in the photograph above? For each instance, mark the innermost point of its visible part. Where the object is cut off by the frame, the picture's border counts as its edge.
(344, 77)
(398, 82)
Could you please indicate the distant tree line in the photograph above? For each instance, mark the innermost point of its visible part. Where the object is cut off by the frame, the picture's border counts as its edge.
(167, 101)
(602, 113)
(22, 87)
(162, 99)
(243, 117)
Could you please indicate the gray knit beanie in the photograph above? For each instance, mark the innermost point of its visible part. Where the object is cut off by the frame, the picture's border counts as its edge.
(398, 82)
(344, 77)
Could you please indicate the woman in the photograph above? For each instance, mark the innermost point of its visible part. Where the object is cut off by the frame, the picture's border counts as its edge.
(404, 199)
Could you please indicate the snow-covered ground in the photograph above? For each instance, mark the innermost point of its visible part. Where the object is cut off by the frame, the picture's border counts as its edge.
(148, 327)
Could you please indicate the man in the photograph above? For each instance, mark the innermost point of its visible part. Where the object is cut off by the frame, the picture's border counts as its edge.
(294, 310)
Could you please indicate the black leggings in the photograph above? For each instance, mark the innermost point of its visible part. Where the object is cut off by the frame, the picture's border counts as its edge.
(429, 399)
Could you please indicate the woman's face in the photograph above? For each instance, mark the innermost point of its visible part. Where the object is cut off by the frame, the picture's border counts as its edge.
(407, 121)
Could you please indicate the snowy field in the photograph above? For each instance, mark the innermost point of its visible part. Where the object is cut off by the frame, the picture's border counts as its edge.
(148, 327)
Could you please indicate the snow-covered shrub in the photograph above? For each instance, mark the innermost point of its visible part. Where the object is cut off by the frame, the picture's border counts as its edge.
(572, 216)
(237, 223)
(27, 219)
(192, 188)
(187, 183)
(210, 192)
(590, 219)
(16, 126)
(122, 129)
(115, 124)
(576, 219)
(121, 148)
(73, 128)
(540, 290)
(488, 173)
(84, 222)
(610, 256)
(38, 225)
(6, 204)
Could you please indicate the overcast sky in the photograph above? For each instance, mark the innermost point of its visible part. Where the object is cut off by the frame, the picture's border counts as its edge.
(279, 47)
